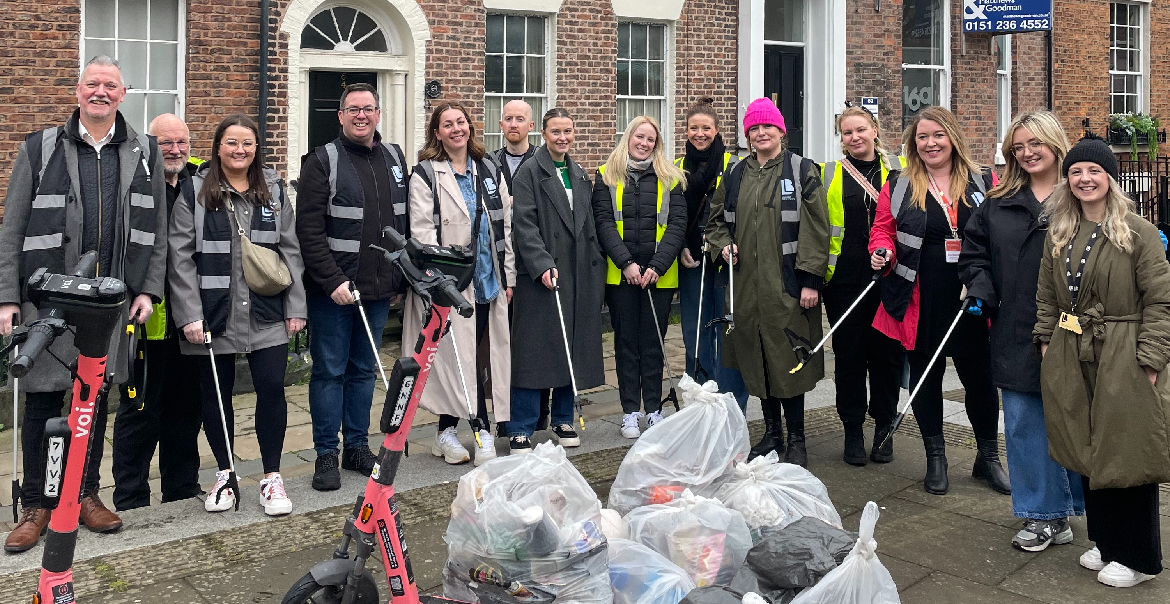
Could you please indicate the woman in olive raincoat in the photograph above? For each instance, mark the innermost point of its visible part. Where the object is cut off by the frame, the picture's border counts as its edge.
(1103, 326)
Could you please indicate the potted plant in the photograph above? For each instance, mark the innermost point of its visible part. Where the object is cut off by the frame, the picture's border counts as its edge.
(1133, 126)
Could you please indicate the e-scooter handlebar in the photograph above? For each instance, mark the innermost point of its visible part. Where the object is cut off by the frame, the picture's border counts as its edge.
(421, 269)
(40, 336)
(85, 265)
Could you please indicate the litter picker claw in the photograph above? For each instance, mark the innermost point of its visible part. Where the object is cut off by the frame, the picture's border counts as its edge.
(805, 357)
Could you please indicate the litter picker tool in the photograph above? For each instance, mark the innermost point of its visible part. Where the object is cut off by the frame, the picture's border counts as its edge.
(357, 300)
(906, 407)
(568, 353)
(471, 415)
(15, 426)
(672, 397)
(231, 483)
(805, 357)
(700, 373)
(729, 318)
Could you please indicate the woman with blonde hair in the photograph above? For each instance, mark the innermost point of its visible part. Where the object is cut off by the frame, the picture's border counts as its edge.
(1002, 247)
(1103, 327)
(920, 219)
(770, 224)
(641, 216)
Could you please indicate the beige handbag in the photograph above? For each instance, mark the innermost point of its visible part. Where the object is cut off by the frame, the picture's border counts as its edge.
(264, 272)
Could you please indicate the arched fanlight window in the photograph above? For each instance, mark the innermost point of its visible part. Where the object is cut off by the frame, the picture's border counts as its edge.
(343, 29)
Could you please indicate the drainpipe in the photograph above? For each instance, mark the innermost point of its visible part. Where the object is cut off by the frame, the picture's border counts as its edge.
(263, 108)
(1050, 67)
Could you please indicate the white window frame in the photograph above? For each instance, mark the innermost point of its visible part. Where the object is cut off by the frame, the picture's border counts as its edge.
(181, 52)
(1003, 84)
(1143, 76)
(664, 121)
(944, 96)
(547, 97)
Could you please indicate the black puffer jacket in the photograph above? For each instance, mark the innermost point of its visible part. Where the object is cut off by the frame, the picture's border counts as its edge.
(640, 223)
(1000, 262)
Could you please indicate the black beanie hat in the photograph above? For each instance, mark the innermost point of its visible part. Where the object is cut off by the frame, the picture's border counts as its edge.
(1091, 148)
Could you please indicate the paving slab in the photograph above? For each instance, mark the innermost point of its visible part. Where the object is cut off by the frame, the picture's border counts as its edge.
(1057, 578)
(940, 587)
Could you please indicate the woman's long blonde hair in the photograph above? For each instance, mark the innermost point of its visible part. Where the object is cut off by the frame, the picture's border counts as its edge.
(1064, 213)
(1045, 127)
(962, 166)
(878, 146)
(618, 163)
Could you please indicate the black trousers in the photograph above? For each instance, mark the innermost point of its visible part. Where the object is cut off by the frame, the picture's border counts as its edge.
(40, 407)
(638, 343)
(974, 369)
(267, 366)
(861, 349)
(481, 330)
(1124, 525)
(168, 412)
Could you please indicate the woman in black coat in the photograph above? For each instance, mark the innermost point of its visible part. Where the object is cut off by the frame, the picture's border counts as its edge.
(641, 218)
(555, 242)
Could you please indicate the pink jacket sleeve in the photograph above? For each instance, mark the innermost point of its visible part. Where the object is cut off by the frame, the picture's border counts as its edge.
(885, 227)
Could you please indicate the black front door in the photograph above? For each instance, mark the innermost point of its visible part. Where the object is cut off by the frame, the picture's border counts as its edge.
(324, 93)
(784, 84)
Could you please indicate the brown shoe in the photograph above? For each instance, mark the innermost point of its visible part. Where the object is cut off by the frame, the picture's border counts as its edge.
(97, 517)
(28, 531)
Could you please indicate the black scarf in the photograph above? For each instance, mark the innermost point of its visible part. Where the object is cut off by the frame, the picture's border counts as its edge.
(703, 168)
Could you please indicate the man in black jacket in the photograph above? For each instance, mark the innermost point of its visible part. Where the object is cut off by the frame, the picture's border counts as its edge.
(350, 189)
(516, 124)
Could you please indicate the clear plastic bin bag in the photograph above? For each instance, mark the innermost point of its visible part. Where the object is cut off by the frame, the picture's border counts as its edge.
(772, 495)
(640, 575)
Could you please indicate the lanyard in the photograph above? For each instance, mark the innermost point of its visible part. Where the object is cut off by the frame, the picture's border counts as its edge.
(951, 211)
(1074, 281)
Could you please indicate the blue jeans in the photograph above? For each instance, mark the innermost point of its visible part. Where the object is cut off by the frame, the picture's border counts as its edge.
(1041, 488)
(526, 409)
(689, 280)
(341, 386)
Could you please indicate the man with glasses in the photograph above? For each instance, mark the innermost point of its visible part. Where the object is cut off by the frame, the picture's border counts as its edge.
(350, 189)
(92, 184)
(166, 410)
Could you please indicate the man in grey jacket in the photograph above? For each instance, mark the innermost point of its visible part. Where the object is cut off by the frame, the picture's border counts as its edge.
(91, 184)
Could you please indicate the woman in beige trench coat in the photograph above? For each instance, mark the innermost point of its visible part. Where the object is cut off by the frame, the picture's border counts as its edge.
(454, 174)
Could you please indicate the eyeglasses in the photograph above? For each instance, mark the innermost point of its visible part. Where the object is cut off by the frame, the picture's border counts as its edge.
(1032, 147)
(181, 144)
(235, 144)
(356, 111)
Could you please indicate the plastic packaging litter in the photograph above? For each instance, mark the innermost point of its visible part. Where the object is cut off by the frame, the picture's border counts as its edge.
(527, 528)
(771, 494)
(861, 578)
(717, 594)
(695, 449)
(640, 575)
(700, 535)
(612, 525)
(792, 558)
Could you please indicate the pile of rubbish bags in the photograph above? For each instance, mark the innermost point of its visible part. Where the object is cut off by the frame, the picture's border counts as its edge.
(690, 520)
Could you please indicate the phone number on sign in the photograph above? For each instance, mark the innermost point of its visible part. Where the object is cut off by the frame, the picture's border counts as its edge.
(1022, 24)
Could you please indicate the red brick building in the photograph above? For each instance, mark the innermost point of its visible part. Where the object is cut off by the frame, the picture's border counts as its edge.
(603, 60)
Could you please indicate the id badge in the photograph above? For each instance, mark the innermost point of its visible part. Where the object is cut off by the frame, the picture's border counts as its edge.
(1070, 322)
(953, 247)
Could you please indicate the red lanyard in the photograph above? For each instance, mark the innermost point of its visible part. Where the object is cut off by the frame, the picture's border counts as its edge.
(951, 211)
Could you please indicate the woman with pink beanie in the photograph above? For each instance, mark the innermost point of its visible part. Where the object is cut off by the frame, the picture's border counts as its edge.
(770, 223)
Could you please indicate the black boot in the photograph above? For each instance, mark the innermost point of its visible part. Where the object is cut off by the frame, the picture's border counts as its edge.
(935, 482)
(796, 453)
(773, 437)
(854, 444)
(883, 444)
(987, 466)
(794, 418)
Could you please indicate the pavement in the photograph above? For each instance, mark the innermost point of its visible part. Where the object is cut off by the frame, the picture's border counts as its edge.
(954, 548)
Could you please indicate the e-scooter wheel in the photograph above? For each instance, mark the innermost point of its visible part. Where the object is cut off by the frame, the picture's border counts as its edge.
(308, 591)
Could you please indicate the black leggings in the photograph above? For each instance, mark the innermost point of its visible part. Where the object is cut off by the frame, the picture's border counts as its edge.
(481, 330)
(1124, 525)
(982, 401)
(267, 366)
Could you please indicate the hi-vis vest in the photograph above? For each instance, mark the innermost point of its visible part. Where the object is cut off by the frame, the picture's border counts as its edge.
(44, 237)
(729, 160)
(831, 173)
(486, 171)
(613, 275)
(156, 325)
(898, 287)
(214, 232)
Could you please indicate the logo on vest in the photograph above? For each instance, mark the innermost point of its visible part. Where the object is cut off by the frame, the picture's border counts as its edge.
(490, 185)
(397, 170)
(267, 215)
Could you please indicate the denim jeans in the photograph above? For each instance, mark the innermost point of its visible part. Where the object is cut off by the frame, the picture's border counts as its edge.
(526, 409)
(1041, 488)
(689, 280)
(341, 386)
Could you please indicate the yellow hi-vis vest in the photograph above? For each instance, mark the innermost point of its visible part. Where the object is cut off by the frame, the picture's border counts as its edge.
(614, 275)
(727, 162)
(831, 175)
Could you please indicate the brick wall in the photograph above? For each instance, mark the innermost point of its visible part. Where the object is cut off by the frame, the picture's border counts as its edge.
(706, 64)
(455, 53)
(1080, 65)
(1029, 72)
(873, 59)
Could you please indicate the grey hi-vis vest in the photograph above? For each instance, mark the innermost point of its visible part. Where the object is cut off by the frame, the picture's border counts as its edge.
(44, 237)
(486, 172)
(214, 232)
(347, 200)
(500, 157)
(898, 287)
(793, 193)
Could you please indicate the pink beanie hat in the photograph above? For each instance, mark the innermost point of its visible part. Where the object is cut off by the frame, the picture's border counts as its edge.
(762, 111)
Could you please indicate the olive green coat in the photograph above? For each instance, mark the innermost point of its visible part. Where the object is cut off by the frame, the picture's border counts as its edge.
(1104, 418)
(762, 307)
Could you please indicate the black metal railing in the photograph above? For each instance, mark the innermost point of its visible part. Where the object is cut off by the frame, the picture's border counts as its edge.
(1147, 182)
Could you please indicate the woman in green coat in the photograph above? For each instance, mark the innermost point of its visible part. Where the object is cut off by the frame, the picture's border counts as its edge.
(1103, 326)
(779, 254)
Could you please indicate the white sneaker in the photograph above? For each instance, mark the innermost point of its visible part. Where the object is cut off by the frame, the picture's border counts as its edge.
(272, 495)
(486, 450)
(227, 499)
(630, 428)
(654, 418)
(1092, 560)
(447, 446)
(1119, 575)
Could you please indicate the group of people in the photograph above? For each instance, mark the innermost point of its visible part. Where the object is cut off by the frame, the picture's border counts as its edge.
(1044, 284)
